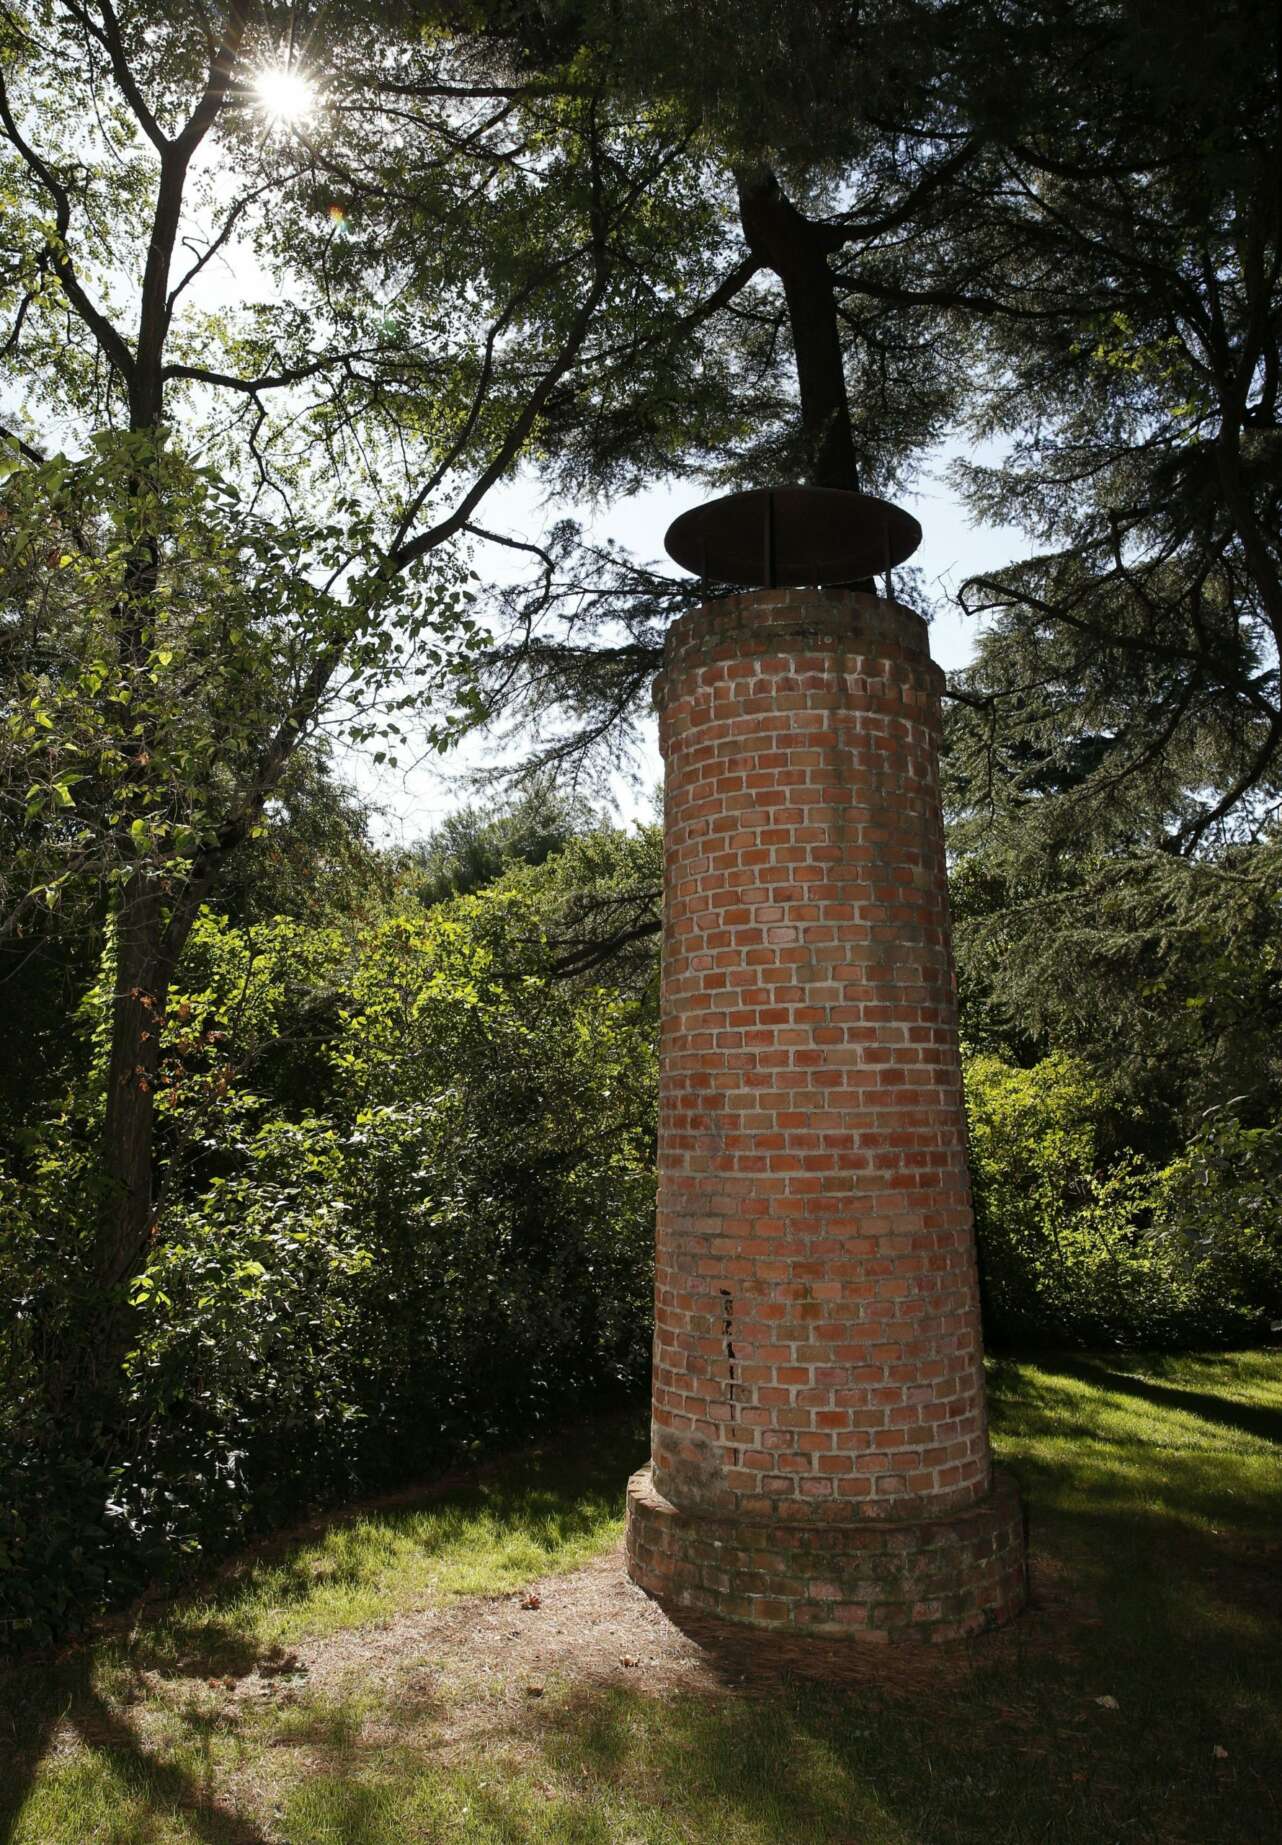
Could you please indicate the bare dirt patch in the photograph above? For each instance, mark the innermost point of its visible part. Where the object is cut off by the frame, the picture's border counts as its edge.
(489, 1679)
(469, 1676)
(593, 1628)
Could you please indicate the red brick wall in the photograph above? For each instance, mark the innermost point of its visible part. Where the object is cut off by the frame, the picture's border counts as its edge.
(817, 1348)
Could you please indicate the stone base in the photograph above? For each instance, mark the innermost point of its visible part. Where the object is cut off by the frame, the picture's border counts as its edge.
(874, 1580)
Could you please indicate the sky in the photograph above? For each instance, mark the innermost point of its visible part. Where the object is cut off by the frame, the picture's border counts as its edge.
(409, 802)
(412, 802)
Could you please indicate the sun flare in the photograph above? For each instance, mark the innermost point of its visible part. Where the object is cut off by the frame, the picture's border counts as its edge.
(284, 95)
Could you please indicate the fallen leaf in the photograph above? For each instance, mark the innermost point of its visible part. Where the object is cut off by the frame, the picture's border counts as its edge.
(1107, 1703)
(1220, 1753)
(531, 1600)
(534, 1691)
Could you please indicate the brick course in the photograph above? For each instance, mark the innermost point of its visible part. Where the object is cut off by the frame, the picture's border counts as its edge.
(876, 1580)
(817, 1350)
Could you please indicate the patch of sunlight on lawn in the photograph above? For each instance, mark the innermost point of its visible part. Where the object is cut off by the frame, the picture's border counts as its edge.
(1191, 1439)
(1244, 1377)
(1101, 1399)
(94, 1800)
(618, 1769)
(373, 1571)
(538, 1518)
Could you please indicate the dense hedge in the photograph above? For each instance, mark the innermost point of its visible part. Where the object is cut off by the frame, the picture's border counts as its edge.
(433, 1229)
(1078, 1248)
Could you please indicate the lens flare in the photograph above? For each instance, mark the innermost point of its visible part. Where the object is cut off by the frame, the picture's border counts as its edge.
(284, 95)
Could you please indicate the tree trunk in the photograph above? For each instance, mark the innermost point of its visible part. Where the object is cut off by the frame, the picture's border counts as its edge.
(797, 250)
(145, 958)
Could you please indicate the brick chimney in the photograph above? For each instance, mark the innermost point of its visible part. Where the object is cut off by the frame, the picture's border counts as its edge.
(820, 1457)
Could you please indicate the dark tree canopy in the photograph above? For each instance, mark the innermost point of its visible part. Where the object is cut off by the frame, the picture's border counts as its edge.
(1081, 265)
(1132, 665)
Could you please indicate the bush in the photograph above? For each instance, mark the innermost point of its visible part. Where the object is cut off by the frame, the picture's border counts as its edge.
(240, 1384)
(1219, 1206)
(65, 1541)
(1075, 1249)
(449, 1241)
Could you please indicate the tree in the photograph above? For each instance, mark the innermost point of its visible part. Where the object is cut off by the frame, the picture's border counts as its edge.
(826, 130)
(1161, 975)
(1083, 264)
(477, 844)
(230, 525)
(1127, 680)
(839, 166)
(1113, 759)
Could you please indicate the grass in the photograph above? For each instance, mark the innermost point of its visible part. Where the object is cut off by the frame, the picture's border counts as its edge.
(1155, 1506)
(543, 1512)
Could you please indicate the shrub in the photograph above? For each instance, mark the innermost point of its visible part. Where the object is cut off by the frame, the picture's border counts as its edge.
(1076, 1249)
(65, 1541)
(1219, 1207)
(450, 1240)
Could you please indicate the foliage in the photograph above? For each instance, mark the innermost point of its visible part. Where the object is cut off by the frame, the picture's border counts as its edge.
(476, 844)
(234, 515)
(1163, 976)
(1078, 1249)
(407, 1212)
(1220, 1202)
(1081, 270)
(1126, 676)
(599, 904)
(311, 856)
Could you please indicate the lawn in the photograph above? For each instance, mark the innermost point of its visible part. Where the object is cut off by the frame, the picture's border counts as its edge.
(370, 1682)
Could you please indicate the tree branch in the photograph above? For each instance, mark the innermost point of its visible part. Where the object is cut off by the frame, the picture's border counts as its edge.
(112, 345)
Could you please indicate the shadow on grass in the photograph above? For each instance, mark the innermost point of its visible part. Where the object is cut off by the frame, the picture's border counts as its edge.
(1222, 1411)
(788, 1767)
(610, 1767)
(558, 1490)
(1137, 1700)
(65, 1696)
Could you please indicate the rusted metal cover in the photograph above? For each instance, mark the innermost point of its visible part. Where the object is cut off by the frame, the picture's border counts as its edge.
(782, 536)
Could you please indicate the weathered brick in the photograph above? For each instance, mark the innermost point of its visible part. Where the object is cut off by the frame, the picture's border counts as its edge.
(817, 1360)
